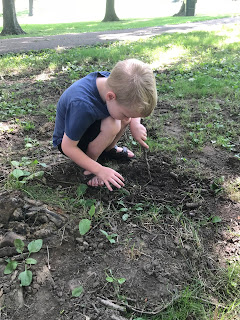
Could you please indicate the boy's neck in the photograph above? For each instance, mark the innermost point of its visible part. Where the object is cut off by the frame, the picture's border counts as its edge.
(102, 87)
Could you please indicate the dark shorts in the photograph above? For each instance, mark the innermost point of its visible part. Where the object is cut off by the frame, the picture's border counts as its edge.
(90, 134)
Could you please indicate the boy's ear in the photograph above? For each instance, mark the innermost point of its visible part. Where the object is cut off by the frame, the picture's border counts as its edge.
(110, 96)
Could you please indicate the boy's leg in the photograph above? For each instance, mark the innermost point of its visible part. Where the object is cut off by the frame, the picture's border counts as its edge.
(124, 124)
(110, 132)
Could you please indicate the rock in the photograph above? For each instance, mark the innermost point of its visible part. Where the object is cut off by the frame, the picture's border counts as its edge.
(44, 275)
(32, 202)
(42, 219)
(173, 175)
(8, 239)
(8, 203)
(7, 252)
(101, 245)
(58, 222)
(43, 233)
(192, 214)
(193, 205)
(31, 213)
(86, 244)
(18, 214)
(79, 240)
(19, 297)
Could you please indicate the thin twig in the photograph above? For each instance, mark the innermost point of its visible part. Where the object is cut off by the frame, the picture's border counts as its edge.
(48, 258)
(155, 312)
(112, 305)
(216, 304)
(64, 227)
(147, 164)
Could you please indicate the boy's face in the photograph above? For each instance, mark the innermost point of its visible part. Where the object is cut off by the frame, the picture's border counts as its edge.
(120, 112)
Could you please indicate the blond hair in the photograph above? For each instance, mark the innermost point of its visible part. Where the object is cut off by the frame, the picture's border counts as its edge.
(134, 85)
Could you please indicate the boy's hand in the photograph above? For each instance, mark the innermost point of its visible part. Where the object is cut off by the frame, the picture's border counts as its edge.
(139, 132)
(105, 174)
(108, 175)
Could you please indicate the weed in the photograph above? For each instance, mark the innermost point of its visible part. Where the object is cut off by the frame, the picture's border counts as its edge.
(110, 237)
(51, 112)
(12, 107)
(25, 277)
(132, 251)
(30, 143)
(26, 125)
(85, 224)
(217, 185)
(116, 282)
(25, 170)
(77, 292)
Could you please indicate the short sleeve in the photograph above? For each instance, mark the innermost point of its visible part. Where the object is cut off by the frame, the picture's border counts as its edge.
(79, 116)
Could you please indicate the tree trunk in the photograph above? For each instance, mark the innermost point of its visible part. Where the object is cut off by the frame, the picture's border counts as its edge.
(10, 23)
(181, 12)
(30, 12)
(110, 14)
(190, 8)
(187, 8)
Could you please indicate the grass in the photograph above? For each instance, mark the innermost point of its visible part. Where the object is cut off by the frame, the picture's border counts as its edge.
(40, 30)
(198, 80)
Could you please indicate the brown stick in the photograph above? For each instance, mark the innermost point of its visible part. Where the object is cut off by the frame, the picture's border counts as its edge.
(112, 305)
(147, 164)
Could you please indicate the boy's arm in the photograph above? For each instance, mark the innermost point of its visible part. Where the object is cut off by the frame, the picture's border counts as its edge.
(139, 132)
(107, 175)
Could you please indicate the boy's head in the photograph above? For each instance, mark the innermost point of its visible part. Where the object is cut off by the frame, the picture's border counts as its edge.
(134, 85)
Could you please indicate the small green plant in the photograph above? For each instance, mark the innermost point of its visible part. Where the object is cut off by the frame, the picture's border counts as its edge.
(26, 125)
(110, 237)
(85, 224)
(116, 282)
(25, 277)
(225, 143)
(216, 185)
(26, 170)
(216, 219)
(79, 200)
(30, 143)
(77, 292)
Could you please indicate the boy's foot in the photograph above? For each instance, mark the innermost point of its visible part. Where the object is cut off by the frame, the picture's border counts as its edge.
(92, 180)
(118, 153)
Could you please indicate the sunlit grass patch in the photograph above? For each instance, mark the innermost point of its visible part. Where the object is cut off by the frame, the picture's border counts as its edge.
(232, 188)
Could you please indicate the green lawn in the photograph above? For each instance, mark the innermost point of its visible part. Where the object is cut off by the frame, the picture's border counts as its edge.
(38, 30)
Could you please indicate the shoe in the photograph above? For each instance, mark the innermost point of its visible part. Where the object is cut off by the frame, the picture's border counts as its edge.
(113, 154)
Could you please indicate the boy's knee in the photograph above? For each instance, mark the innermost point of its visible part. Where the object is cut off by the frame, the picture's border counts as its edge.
(111, 126)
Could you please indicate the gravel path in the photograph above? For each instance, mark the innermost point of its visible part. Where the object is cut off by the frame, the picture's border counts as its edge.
(15, 45)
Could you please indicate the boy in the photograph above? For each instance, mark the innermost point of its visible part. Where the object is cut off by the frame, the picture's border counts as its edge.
(93, 113)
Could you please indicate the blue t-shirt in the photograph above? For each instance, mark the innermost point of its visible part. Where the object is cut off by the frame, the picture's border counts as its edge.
(79, 107)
